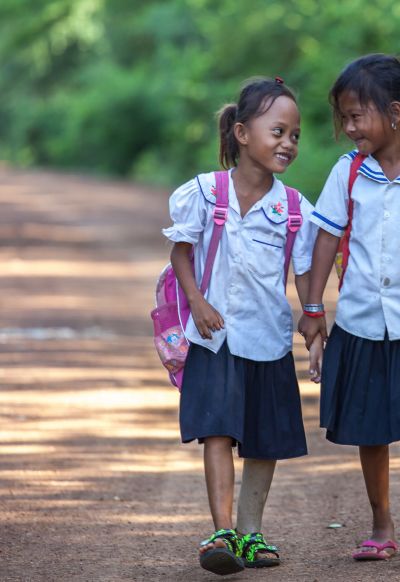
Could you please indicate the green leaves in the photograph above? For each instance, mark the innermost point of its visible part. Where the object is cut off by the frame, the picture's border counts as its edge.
(132, 87)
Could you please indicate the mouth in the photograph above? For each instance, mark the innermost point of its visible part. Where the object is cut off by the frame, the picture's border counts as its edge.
(359, 141)
(284, 158)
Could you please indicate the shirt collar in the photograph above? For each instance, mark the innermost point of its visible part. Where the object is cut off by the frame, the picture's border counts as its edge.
(370, 168)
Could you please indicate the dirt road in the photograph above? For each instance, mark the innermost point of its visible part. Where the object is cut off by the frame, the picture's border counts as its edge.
(94, 485)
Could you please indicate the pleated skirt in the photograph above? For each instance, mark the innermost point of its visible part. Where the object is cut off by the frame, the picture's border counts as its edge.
(360, 390)
(257, 404)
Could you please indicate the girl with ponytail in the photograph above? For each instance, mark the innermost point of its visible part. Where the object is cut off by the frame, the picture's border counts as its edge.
(239, 385)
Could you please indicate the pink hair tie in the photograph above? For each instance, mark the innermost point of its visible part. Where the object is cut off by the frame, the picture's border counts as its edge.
(279, 80)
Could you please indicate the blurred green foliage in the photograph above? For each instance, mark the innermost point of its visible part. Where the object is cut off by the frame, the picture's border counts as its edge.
(131, 87)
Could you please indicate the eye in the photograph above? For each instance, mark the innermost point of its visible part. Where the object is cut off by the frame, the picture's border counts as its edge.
(355, 116)
(296, 136)
(277, 131)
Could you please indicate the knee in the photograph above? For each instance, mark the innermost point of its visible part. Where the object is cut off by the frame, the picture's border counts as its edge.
(218, 443)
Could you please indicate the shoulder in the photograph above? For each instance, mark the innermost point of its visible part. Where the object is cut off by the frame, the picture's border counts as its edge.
(343, 164)
(199, 188)
(304, 203)
(339, 174)
(350, 156)
(206, 185)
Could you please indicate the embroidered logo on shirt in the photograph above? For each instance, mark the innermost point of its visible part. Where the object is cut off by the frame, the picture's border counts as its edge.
(277, 208)
(213, 190)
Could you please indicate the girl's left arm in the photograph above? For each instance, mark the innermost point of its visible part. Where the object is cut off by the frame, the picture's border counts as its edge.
(316, 349)
(302, 283)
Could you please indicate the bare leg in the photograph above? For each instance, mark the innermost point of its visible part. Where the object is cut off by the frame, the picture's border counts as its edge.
(220, 477)
(375, 466)
(256, 482)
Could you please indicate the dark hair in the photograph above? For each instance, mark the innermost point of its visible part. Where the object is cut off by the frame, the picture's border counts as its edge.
(255, 98)
(374, 77)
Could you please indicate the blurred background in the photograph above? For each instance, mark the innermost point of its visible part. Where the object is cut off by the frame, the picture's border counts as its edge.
(130, 87)
(105, 106)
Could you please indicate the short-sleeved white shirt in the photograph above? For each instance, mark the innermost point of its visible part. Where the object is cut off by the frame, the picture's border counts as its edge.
(369, 300)
(246, 286)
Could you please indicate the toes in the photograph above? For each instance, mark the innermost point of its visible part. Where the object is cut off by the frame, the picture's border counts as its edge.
(218, 543)
(203, 549)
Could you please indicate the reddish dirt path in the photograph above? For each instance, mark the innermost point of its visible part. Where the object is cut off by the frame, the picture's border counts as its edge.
(94, 485)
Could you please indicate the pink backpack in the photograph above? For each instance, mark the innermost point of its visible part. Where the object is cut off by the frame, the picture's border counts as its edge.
(172, 310)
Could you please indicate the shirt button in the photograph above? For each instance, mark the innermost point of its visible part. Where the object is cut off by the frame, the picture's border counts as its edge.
(386, 282)
(386, 214)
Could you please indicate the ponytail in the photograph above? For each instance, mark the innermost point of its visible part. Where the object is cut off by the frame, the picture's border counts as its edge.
(228, 147)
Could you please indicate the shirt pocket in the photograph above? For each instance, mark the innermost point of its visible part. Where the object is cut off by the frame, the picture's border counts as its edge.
(277, 213)
(265, 254)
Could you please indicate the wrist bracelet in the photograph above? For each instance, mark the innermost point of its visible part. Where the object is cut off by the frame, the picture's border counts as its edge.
(313, 307)
(315, 314)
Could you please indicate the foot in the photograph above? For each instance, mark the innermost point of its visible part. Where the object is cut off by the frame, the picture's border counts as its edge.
(265, 555)
(257, 553)
(371, 550)
(220, 553)
(380, 546)
(217, 543)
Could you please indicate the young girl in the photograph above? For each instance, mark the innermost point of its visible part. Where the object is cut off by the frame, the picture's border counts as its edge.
(360, 402)
(239, 385)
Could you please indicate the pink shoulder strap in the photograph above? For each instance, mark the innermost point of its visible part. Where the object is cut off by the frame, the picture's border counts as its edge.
(295, 220)
(220, 217)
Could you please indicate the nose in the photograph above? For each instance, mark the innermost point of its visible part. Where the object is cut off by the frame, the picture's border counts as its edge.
(288, 143)
(348, 126)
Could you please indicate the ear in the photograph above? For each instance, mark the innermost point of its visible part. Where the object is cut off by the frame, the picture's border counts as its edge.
(240, 133)
(395, 112)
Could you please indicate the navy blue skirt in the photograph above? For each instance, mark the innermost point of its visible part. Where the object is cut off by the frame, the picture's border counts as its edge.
(360, 390)
(257, 404)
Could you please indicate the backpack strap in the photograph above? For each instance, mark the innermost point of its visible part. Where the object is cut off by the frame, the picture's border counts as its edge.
(220, 217)
(295, 220)
(345, 245)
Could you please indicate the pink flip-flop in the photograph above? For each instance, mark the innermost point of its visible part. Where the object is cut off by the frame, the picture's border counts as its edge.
(380, 553)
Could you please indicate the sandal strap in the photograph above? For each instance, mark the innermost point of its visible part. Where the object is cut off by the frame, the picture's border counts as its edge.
(253, 543)
(229, 537)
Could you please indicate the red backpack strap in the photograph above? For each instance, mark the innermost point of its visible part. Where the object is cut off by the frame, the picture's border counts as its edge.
(345, 243)
(220, 217)
(295, 220)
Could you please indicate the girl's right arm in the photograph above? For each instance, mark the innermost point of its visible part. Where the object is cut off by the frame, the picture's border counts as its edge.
(205, 317)
(323, 258)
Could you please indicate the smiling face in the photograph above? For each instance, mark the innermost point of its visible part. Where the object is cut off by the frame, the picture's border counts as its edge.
(270, 141)
(367, 127)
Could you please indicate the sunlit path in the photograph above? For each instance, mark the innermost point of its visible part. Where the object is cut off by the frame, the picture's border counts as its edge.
(94, 484)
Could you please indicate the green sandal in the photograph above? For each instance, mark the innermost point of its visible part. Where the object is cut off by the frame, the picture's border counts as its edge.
(253, 543)
(223, 560)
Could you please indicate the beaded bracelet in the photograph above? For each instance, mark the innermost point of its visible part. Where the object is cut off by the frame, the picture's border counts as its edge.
(315, 314)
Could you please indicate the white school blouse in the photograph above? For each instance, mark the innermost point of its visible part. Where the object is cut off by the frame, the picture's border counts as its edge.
(246, 285)
(369, 301)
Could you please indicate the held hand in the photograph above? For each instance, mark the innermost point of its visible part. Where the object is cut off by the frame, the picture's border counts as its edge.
(206, 318)
(316, 353)
(309, 327)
